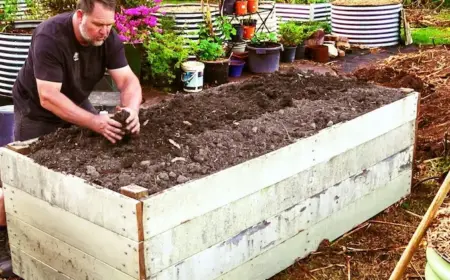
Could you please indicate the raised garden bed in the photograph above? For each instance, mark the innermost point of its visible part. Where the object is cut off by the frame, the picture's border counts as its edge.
(302, 12)
(257, 175)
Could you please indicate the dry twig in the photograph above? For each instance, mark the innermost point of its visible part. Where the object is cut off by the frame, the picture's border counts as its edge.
(388, 223)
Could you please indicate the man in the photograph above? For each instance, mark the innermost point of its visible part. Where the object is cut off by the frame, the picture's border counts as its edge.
(68, 56)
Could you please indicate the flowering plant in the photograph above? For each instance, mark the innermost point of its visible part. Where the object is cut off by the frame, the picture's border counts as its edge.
(136, 24)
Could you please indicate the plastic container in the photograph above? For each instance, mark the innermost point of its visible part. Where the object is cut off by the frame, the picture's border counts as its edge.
(239, 47)
(216, 72)
(249, 32)
(264, 60)
(192, 76)
(241, 8)
(318, 53)
(228, 7)
(236, 67)
(300, 52)
(437, 267)
(6, 125)
(288, 54)
(252, 6)
(239, 33)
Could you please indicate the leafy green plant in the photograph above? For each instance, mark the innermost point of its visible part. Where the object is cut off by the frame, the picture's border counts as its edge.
(312, 26)
(207, 50)
(225, 27)
(8, 12)
(262, 38)
(292, 34)
(55, 7)
(164, 54)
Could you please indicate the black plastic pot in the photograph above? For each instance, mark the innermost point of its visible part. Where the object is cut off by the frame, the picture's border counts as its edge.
(228, 7)
(300, 52)
(239, 33)
(249, 22)
(288, 54)
(216, 72)
(264, 59)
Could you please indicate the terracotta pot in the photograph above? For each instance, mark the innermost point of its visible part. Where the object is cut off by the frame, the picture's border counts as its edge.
(318, 53)
(249, 32)
(252, 6)
(241, 8)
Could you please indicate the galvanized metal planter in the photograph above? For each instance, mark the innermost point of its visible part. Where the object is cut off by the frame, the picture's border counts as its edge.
(13, 53)
(188, 18)
(371, 26)
(298, 12)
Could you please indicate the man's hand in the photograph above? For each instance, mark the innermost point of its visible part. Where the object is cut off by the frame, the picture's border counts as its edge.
(107, 127)
(132, 122)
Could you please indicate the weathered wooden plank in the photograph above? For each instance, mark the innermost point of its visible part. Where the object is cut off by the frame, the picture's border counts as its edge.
(283, 255)
(177, 244)
(109, 247)
(101, 206)
(267, 234)
(59, 255)
(201, 196)
(29, 268)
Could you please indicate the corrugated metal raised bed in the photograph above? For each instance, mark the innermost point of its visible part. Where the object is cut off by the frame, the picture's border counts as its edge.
(371, 26)
(13, 53)
(300, 12)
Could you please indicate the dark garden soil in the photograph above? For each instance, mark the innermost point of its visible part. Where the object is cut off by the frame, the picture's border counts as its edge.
(191, 136)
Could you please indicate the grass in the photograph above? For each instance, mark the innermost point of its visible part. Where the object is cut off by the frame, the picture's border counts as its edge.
(444, 15)
(425, 36)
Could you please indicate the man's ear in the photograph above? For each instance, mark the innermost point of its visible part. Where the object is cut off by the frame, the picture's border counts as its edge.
(79, 14)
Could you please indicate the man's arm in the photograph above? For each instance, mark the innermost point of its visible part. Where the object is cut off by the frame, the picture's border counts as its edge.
(129, 87)
(130, 95)
(53, 100)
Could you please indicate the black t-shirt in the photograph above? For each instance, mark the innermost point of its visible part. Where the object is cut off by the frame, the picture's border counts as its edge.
(56, 55)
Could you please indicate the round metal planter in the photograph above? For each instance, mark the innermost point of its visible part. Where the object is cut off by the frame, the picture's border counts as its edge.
(371, 26)
(13, 53)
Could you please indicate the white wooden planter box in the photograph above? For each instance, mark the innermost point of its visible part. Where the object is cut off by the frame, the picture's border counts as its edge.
(299, 12)
(249, 221)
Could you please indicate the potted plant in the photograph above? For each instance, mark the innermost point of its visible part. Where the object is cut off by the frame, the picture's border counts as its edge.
(212, 53)
(264, 53)
(249, 25)
(241, 7)
(165, 52)
(134, 25)
(291, 36)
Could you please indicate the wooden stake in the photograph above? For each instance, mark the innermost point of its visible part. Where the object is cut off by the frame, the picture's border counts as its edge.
(134, 191)
(421, 229)
(408, 37)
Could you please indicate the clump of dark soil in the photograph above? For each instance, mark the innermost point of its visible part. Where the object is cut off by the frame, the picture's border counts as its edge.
(121, 117)
(191, 136)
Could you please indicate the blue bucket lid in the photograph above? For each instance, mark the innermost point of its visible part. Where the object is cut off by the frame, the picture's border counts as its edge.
(7, 109)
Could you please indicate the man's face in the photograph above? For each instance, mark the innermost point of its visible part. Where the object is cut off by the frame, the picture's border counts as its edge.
(95, 27)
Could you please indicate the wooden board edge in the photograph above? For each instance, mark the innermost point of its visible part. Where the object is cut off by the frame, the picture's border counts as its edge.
(56, 193)
(300, 245)
(103, 244)
(141, 247)
(25, 261)
(21, 147)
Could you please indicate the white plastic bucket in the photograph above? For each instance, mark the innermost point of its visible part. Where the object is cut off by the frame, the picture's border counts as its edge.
(192, 76)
